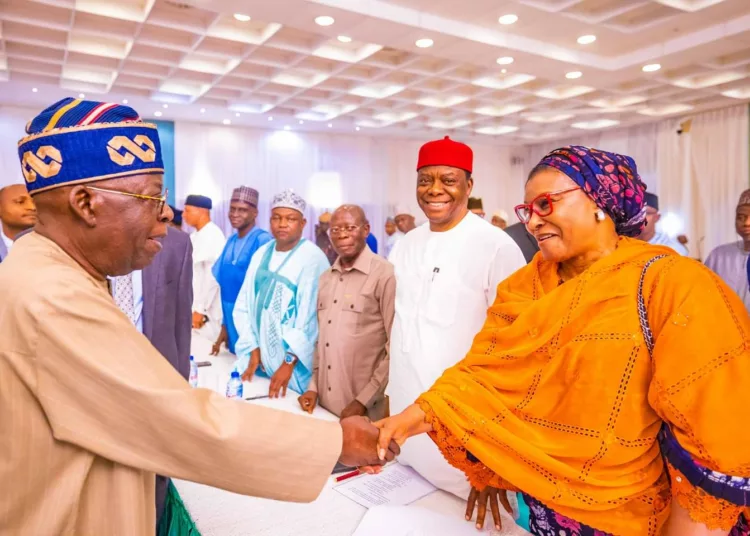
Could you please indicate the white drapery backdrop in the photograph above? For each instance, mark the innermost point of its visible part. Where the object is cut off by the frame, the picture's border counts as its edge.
(697, 165)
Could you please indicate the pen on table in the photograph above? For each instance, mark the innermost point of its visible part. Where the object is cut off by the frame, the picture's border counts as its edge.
(256, 397)
(347, 476)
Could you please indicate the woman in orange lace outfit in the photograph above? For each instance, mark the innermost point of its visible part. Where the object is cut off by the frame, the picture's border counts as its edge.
(606, 414)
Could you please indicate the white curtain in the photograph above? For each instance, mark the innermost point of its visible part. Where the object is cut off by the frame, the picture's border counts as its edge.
(12, 128)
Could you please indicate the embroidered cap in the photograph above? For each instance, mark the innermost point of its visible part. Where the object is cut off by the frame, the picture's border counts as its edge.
(245, 194)
(744, 198)
(76, 141)
(289, 199)
(475, 203)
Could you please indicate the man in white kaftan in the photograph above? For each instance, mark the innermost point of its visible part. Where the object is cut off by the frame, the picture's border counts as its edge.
(447, 272)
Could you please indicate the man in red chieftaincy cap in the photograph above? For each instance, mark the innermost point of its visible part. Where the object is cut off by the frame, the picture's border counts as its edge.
(447, 272)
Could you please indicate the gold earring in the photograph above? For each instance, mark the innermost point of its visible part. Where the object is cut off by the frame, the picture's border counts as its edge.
(600, 215)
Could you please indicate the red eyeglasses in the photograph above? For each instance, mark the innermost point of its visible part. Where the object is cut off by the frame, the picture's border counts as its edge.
(540, 205)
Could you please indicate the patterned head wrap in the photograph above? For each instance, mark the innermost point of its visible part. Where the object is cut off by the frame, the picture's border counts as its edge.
(76, 141)
(744, 198)
(611, 180)
(245, 194)
(289, 199)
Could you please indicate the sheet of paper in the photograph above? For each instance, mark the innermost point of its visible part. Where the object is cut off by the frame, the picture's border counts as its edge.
(396, 485)
(412, 521)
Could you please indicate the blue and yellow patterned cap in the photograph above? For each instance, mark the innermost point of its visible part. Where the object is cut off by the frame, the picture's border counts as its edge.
(76, 141)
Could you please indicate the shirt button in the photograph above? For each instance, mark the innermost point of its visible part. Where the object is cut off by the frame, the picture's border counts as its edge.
(335, 301)
(341, 279)
(329, 388)
(678, 479)
(329, 321)
(329, 367)
(327, 345)
(352, 306)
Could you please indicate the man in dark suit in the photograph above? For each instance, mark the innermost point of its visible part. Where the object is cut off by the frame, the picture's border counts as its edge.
(159, 302)
(524, 240)
(17, 215)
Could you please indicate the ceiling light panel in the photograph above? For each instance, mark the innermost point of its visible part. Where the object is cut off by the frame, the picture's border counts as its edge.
(596, 124)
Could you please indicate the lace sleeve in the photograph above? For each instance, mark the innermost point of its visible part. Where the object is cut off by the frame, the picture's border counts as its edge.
(479, 475)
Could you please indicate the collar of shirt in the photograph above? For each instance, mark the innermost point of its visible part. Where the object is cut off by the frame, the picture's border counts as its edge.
(362, 264)
(7, 241)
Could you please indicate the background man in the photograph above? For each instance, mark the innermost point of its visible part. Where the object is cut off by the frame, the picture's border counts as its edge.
(355, 314)
(523, 240)
(500, 219)
(276, 310)
(322, 240)
(89, 410)
(475, 206)
(162, 312)
(176, 219)
(447, 272)
(17, 214)
(730, 261)
(231, 268)
(208, 243)
(653, 236)
(404, 220)
(392, 236)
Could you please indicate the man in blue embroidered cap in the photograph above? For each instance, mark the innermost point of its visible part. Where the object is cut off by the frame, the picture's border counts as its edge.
(208, 242)
(89, 409)
(231, 268)
(276, 310)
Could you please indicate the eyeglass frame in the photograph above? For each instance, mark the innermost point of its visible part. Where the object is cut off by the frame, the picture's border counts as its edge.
(349, 229)
(530, 206)
(162, 200)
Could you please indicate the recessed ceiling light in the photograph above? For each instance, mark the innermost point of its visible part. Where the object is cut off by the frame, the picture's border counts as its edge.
(81, 96)
(573, 75)
(508, 19)
(651, 67)
(330, 125)
(157, 113)
(34, 89)
(301, 122)
(270, 118)
(203, 110)
(325, 20)
(287, 127)
(165, 106)
(586, 39)
(242, 18)
(424, 43)
(503, 71)
(357, 128)
(124, 101)
(345, 39)
(237, 114)
(227, 122)
(505, 60)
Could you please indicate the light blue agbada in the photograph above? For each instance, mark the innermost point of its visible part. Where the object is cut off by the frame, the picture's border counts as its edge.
(276, 309)
(230, 270)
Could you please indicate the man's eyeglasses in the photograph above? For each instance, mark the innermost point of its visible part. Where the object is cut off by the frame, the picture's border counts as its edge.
(540, 205)
(162, 200)
(349, 229)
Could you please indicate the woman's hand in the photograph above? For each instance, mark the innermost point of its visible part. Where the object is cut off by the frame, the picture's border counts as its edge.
(399, 428)
(680, 524)
(480, 498)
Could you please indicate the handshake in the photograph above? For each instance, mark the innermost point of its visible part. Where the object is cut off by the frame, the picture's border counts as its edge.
(361, 444)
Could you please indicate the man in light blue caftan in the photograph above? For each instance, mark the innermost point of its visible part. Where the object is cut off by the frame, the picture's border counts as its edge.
(276, 310)
(231, 267)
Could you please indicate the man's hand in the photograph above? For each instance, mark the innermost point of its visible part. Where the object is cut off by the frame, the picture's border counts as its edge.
(401, 427)
(280, 380)
(355, 408)
(480, 498)
(198, 320)
(223, 339)
(252, 366)
(361, 444)
(308, 401)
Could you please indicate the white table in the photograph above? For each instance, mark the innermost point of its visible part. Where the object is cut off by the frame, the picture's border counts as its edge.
(221, 513)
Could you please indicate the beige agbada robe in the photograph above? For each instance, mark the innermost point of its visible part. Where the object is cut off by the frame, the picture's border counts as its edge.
(89, 411)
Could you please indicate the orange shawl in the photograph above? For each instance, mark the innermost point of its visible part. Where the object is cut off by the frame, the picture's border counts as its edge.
(559, 398)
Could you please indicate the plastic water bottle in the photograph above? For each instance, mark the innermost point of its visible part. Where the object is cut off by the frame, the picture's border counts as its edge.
(234, 387)
(193, 379)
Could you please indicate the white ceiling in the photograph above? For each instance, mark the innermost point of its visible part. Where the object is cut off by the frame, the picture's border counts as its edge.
(192, 60)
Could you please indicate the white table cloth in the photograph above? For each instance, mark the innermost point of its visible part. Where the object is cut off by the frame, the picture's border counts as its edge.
(221, 513)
